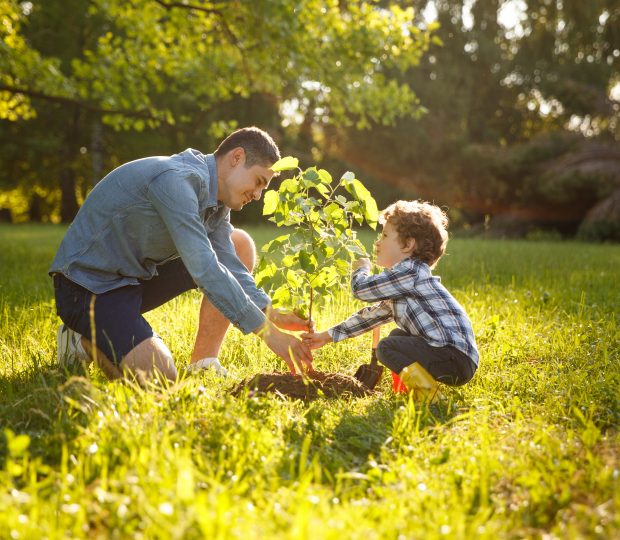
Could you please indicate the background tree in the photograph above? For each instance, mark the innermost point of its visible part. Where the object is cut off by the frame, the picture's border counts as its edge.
(521, 121)
(171, 70)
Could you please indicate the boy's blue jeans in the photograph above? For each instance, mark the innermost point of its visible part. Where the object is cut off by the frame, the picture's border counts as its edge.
(446, 364)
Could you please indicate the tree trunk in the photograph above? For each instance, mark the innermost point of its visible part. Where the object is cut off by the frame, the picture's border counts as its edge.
(96, 149)
(68, 200)
(35, 210)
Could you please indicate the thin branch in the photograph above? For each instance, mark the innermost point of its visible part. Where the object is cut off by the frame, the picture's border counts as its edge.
(211, 11)
(170, 5)
(72, 101)
(232, 37)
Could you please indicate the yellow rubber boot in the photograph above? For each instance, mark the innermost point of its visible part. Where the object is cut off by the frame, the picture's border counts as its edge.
(419, 382)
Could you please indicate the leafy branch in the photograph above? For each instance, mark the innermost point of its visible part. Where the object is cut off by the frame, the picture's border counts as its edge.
(301, 267)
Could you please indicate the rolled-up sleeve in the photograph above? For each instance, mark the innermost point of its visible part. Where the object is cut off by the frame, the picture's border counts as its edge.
(175, 199)
(226, 254)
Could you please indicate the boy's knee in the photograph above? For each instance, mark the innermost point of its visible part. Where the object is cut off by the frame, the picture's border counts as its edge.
(382, 348)
(389, 356)
(245, 248)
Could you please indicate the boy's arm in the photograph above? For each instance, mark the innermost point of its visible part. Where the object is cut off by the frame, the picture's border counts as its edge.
(362, 321)
(388, 285)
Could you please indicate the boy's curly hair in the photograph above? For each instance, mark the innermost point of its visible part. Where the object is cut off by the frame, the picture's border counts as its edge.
(423, 221)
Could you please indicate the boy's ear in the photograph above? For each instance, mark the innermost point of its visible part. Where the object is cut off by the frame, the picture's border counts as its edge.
(409, 245)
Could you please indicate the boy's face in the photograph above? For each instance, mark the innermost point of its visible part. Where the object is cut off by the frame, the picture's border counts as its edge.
(389, 249)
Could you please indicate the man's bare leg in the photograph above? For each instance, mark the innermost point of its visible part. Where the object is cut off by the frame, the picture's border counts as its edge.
(152, 355)
(147, 360)
(212, 325)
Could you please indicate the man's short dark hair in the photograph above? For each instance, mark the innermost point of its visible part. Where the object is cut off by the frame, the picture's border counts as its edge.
(258, 146)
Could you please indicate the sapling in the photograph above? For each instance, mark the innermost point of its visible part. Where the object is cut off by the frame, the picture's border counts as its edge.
(300, 267)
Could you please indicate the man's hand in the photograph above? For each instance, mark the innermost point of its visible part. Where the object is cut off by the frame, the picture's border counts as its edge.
(316, 340)
(288, 320)
(362, 263)
(296, 354)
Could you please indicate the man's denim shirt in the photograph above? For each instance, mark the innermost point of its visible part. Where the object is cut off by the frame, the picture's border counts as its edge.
(150, 211)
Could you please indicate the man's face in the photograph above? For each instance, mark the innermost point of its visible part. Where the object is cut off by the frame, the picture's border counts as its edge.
(243, 185)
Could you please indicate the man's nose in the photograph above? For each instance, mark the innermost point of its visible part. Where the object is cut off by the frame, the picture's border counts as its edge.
(257, 193)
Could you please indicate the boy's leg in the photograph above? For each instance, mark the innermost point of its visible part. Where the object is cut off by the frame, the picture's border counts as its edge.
(212, 325)
(445, 364)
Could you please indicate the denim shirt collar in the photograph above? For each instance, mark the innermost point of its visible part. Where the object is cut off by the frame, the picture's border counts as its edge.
(212, 200)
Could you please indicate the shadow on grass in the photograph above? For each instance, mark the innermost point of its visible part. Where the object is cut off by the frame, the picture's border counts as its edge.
(46, 404)
(360, 436)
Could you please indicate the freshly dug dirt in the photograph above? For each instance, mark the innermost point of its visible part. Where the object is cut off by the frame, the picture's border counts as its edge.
(316, 384)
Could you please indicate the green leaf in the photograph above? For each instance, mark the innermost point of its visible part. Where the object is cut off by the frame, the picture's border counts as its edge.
(357, 248)
(289, 261)
(281, 297)
(17, 444)
(311, 175)
(322, 189)
(293, 279)
(371, 212)
(307, 261)
(342, 267)
(289, 185)
(265, 273)
(310, 178)
(285, 164)
(357, 189)
(270, 202)
(275, 244)
(325, 177)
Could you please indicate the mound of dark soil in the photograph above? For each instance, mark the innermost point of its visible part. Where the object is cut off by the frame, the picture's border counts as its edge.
(315, 384)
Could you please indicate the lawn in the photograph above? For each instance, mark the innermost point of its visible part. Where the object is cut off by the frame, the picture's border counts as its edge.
(528, 449)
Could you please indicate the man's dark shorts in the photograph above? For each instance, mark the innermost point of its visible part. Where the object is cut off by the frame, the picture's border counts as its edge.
(118, 314)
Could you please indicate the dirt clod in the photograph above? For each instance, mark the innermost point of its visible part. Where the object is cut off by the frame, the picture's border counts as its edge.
(315, 384)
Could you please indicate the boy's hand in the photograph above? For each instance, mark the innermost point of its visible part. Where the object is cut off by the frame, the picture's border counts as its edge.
(287, 320)
(362, 263)
(315, 340)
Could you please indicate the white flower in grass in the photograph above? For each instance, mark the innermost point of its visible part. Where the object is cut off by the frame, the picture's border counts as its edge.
(166, 509)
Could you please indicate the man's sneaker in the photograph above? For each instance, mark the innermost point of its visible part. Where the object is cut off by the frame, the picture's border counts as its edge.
(208, 363)
(70, 352)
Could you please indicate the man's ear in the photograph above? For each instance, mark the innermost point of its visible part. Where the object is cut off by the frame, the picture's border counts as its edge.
(236, 156)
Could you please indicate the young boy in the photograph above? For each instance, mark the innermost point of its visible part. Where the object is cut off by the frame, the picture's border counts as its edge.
(434, 341)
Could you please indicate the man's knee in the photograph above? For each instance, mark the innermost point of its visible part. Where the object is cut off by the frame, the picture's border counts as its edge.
(150, 359)
(245, 247)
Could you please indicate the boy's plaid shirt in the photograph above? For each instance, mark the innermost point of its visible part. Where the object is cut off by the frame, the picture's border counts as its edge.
(411, 296)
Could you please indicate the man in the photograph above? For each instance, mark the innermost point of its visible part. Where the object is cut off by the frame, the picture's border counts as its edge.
(152, 229)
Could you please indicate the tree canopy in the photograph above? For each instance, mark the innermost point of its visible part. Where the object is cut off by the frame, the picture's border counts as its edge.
(493, 107)
(154, 64)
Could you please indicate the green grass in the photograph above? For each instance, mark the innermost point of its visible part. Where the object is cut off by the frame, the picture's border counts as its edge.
(528, 449)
